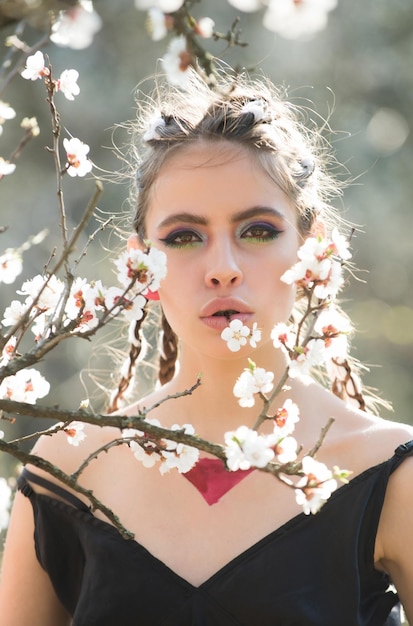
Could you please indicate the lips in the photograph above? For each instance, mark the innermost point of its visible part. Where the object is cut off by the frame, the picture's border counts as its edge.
(223, 306)
(218, 313)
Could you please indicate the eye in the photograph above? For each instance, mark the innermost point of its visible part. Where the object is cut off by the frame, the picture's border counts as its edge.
(260, 231)
(182, 239)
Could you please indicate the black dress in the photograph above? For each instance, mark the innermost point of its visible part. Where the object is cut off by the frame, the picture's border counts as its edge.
(315, 570)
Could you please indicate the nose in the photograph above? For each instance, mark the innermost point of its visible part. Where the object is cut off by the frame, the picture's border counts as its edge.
(223, 269)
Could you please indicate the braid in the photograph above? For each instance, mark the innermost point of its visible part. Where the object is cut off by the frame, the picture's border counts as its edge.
(347, 386)
(128, 368)
(168, 352)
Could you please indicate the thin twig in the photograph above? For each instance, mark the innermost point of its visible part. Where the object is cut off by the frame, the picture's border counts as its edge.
(66, 479)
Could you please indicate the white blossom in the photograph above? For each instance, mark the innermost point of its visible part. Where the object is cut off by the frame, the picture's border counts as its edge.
(51, 289)
(170, 454)
(340, 245)
(235, 334)
(177, 61)
(286, 450)
(252, 380)
(248, 6)
(67, 84)
(255, 335)
(35, 67)
(315, 487)
(157, 24)
(334, 327)
(77, 161)
(86, 298)
(5, 503)
(205, 27)
(6, 168)
(76, 27)
(305, 358)
(333, 283)
(14, 313)
(83, 303)
(285, 419)
(245, 448)
(27, 385)
(167, 6)
(156, 260)
(6, 113)
(283, 336)
(147, 268)
(178, 455)
(319, 265)
(75, 433)
(294, 19)
(132, 308)
(147, 452)
(11, 266)
(8, 352)
(244, 389)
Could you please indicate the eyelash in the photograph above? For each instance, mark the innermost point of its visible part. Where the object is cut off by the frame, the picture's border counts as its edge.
(177, 238)
(171, 240)
(268, 232)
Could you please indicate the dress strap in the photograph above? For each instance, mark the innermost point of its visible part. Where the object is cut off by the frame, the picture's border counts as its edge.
(401, 452)
(27, 477)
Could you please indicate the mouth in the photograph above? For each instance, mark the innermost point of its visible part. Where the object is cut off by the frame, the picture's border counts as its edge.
(218, 313)
(228, 313)
(219, 318)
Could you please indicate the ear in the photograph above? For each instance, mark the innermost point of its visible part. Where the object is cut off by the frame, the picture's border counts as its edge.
(318, 228)
(134, 243)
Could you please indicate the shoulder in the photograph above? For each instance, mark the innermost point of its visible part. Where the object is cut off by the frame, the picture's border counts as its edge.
(371, 440)
(357, 439)
(368, 429)
(56, 449)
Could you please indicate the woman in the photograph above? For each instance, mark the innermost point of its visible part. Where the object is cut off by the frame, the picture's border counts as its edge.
(229, 187)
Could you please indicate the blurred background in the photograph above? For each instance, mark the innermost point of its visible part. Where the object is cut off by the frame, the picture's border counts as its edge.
(357, 72)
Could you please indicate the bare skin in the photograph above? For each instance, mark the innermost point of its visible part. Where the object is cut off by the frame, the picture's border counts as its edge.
(166, 514)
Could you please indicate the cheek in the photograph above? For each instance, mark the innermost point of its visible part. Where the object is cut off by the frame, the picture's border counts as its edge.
(177, 291)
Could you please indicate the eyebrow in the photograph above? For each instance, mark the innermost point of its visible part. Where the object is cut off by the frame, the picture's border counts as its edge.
(191, 218)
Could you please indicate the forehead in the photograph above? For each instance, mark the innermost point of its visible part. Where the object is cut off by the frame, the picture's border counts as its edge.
(214, 174)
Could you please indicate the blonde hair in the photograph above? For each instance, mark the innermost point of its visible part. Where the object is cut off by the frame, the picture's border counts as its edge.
(250, 114)
(256, 116)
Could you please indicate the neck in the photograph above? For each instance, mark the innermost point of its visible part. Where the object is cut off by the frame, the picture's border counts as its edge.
(212, 408)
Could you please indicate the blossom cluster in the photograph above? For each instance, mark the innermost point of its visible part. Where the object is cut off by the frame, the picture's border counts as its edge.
(245, 448)
(160, 22)
(320, 265)
(319, 274)
(169, 454)
(77, 163)
(292, 19)
(50, 307)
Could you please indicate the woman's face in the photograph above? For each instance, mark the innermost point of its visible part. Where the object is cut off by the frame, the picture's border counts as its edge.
(229, 233)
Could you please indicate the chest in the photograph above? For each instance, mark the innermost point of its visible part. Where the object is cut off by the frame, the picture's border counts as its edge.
(172, 520)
